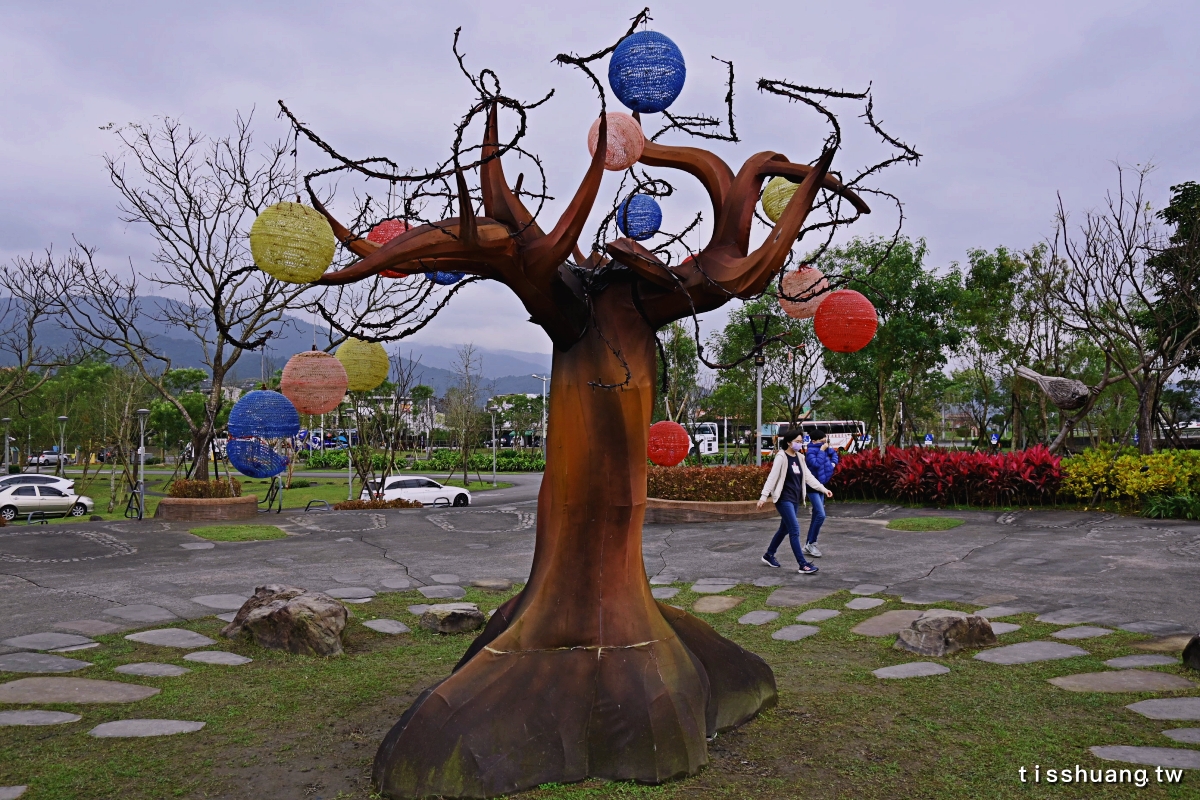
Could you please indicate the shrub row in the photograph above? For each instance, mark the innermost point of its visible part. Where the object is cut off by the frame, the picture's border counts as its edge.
(200, 489)
(527, 460)
(720, 484)
(1128, 479)
(373, 505)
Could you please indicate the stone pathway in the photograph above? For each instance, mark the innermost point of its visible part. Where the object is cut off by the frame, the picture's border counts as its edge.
(867, 588)
(1030, 653)
(716, 604)
(889, 623)
(36, 691)
(758, 617)
(396, 583)
(445, 578)
(1164, 644)
(1082, 632)
(1148, 660)
(1183, 708)
(221, 602)
(1175, 757)
(172, 637)
(388, 626)
(89, 627)
(864, 603)
(1126, 680)
(152, 669)
(794, 633)
(141, 613)
(46, 641)
(139, 728)
(713, 585)
(354, 593)
(817, 615)
(37, 718)
(12, 792)
(663, 592)
(219, 657)
(913, 669)
(441, 592)
(999, 611)
(418, 609)
(493, 584)
(40, 663)
(1073, 616)
(791, 597)
(1001, 628)
(1185, 735)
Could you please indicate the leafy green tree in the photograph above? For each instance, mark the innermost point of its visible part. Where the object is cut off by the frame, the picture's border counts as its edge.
(678, 369)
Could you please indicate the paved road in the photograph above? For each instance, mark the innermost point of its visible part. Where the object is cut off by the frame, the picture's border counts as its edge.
(1100, 567)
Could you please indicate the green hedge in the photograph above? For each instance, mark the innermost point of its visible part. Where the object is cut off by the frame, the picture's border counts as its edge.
(481, 461)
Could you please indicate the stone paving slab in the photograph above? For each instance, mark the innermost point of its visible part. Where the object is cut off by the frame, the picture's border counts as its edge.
(864, 603)
(913, 669)
(712, 588)
(888, 623)
(418, 609)
(1125, 680)
(141, 612)
(1030, 653)
(221, 602)
(1175, 757)
(1156, 626)
(663, 592)
(662, 580)
(74, 648)
(445, 578)
(817, 615)
(37, 718)
(993, 599)
(45, 641)
(768, 580)
(171, 637)
(1001, 628)
(354, 593)
(88, 627)
(230, 617)
(792, 597)
(995, 612)
(1185, 735)
(388, 626)
(443, 592)
(1074, 616)
(867, 588)
(40, 663)
(152, 669)
(1082, 632)
(1186, 708)
(794, 633)
(140, 728)
(218, 657)
(33, 691)
(12, 792)
(1164, 644)
(1148, 660)
(396, 583)
(758, 617)
(493, 584)
(716, 604)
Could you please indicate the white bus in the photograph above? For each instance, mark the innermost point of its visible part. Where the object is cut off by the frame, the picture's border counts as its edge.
(704, 435)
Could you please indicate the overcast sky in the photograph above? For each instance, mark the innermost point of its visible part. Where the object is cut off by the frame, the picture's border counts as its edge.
(1008, 103)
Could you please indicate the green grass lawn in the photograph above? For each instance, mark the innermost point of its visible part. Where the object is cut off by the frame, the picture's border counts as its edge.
(925, 523)
(291, 726)
(238, 533)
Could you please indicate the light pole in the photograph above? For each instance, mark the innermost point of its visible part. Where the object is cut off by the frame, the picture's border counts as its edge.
(142, 414)
(492, 411)
(760, 337)
(60, 468)
(7, 448)
(543, 379)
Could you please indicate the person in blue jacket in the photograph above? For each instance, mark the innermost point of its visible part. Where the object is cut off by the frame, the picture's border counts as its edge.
(821, 460)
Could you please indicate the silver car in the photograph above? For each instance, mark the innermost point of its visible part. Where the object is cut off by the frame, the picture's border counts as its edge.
(23, 499)
(63, 484)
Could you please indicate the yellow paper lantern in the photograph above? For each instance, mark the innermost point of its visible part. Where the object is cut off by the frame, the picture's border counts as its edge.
(776, 196)
(366, 364)
(292, 242)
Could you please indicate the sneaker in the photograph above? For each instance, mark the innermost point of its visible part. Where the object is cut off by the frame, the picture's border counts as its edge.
(770, 560)
(812, 550)
(808, 569)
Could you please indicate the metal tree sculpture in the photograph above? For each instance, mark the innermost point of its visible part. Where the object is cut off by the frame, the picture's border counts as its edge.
(583, 674)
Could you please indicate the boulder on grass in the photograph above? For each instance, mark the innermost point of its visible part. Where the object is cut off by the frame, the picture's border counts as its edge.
(1191, 654)
(453, 618)
(292, 619)
(939, 632)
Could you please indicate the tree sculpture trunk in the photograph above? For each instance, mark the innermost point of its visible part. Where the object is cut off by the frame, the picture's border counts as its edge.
(583, 674)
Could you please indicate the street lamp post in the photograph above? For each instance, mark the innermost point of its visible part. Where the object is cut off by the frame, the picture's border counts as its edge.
(60, 468)
(142, 414)
(7, 448)
(492, 411)
(543, 379)
(758, 321)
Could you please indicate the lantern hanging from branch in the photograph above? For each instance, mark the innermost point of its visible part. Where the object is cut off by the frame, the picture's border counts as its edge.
(255, 458)
(625, 141)
(809, 286)
(669, 443)
(265, 414)
(646, 72)
(775, 197)
(366, 364)
(292, 243)
(314, 381)
(639, 217)
(845, 321)
(383, 233)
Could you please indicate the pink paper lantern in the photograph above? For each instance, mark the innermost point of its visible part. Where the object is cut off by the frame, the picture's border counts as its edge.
(808, 284)
(314, 381)
(625, 141)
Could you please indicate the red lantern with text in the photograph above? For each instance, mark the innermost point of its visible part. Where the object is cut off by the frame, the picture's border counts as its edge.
(669, 443)
(383, 233)
(845, 321)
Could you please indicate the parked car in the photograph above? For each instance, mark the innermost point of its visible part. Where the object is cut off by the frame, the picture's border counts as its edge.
(24, 498)
(49, 457)
(62, 484)
(424, 490)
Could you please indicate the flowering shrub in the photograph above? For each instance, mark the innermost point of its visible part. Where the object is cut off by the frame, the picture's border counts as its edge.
(1127, 478)
(200, 489)
(920, 474)
(706, 483)
(372, 505)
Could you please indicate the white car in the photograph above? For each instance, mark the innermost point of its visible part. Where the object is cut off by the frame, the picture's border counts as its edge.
(424, 490)
(24, 498)
(63, 484)
(50, 458)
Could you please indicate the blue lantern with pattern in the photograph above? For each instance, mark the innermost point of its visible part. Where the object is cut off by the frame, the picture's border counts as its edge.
(254, 458)
(264, 413)
(646, 72)
(444, 278)
(639, 217)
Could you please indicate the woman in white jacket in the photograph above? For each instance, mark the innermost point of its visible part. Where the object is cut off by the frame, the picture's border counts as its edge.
(786, 486)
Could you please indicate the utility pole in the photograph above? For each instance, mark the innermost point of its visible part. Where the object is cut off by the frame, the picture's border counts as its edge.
(60, 468)
(142, 414)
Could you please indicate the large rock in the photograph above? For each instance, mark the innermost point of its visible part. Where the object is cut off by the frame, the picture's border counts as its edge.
(292, 619)
(939, 632)
(1191, 653)
(453, 618)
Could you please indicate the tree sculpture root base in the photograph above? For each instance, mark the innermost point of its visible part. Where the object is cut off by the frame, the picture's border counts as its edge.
(508, 721)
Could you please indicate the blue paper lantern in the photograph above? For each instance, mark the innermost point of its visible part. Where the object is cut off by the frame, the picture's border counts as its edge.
(264, 413)
(255, 459)
(639, 217)
(444, 278)
(646, 72)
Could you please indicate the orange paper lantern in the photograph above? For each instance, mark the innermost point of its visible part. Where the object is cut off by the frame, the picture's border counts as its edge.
(383, 233)
(846, 321)
(314, 381)
(807, 284)
(625, 141)
(669, 443)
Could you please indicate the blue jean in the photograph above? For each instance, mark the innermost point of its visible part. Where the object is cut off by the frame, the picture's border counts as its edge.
(818, 515)
(789, 526)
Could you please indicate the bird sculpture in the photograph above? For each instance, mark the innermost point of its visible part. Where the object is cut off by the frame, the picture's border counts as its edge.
(1067, 394)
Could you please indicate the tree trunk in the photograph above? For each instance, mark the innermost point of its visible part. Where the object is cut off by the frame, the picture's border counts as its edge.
(882, 420)
(1145, 419)
(583, 674)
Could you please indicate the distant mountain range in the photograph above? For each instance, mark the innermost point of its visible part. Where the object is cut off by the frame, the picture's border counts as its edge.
(503, 371)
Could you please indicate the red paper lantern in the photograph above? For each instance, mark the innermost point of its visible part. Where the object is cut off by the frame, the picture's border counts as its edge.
(806, 283)
(669, 443)
(314, 381)
(383, 233)
(845, 321)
